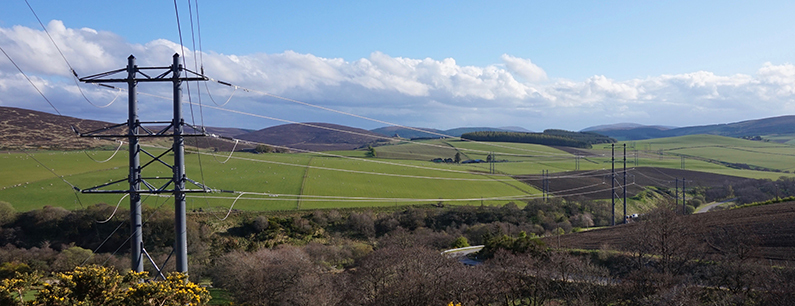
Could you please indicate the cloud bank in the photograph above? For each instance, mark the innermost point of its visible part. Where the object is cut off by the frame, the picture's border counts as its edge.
(427, 92)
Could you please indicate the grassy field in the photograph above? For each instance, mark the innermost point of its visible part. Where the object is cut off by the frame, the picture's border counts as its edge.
(726, 149)
(283, 176)
(417, 150)
(697, 149)
(402, 174)
(781, 138)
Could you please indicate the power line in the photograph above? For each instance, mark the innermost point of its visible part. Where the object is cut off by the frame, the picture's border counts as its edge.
(72, 69)
(364, 117)
(562, 156)
(74, 188)
(109, 158)
(362, 172)
(553, 155)
(275, 197)
(30, 81)
(388, 163)
(114, 210)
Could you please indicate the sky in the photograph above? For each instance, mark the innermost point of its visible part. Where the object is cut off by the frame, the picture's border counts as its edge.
(434, 64)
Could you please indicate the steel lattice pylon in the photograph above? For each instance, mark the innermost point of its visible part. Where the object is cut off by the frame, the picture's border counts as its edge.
(136, 129)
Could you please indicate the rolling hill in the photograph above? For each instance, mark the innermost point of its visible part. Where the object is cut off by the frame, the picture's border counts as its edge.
(759, 127)
(25, 129)
(29, 129)
(403, 132)
(314, 136)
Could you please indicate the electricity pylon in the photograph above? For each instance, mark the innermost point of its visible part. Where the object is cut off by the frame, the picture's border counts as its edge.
(136, 129)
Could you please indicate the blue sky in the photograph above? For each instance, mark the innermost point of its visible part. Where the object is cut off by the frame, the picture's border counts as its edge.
(440, 64)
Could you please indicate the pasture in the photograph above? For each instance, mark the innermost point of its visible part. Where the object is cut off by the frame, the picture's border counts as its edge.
(401, 174)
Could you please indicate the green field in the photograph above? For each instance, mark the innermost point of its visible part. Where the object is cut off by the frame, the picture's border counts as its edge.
(401, 174)
(704, 152)
(272, 181)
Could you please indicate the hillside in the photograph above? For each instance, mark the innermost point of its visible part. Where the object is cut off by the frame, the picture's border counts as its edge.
(29, 129)
(26, 129)
(623, 126)
(766, 126)
(314, 136)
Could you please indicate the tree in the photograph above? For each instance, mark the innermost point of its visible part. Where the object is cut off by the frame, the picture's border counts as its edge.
(7, 213)
(371, 151)
(263, 149)
(460, 242)
(457, 158)
(281, 276)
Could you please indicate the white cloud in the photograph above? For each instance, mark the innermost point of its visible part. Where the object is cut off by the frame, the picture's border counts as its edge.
(524, 68)
(422, 92)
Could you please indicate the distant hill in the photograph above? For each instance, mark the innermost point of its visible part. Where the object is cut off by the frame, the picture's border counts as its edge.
(457, 132)
(324, 137)
(766, 126)
(23, 129)
(624, 126)
(226, 132)
(392, 131)
(515, 129)
(403, 132)
(29, 129)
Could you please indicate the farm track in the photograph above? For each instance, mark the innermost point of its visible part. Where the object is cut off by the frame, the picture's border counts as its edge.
(772, 224)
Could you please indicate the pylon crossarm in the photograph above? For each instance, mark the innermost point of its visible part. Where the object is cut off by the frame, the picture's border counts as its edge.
(99, 75)
(196, 74)
(94, 132)
(195, 128)
(148, 135)
(155, 122)
(95, 189)
(200, 185)
(107, 191)
(98, 78)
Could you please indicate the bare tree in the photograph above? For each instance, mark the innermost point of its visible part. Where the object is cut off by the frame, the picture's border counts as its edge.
(281, 276)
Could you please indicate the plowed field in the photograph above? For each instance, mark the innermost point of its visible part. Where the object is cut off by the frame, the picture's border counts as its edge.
(772, 224)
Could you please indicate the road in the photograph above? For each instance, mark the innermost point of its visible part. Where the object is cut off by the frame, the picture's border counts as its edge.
(461, 254)
(707, 207)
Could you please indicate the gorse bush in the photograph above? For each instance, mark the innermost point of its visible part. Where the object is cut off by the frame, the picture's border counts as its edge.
(95, 285)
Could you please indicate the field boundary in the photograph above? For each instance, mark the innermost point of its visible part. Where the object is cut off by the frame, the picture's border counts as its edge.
(303, 183)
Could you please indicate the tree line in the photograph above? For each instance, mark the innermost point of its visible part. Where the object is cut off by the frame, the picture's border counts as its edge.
(548, 137)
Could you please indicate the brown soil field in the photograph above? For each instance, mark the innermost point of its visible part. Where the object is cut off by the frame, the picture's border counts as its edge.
(561, 183)
(772, 224)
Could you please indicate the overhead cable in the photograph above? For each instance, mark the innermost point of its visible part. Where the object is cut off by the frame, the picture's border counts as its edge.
(30, 81)
(72, 69)
(109, 158)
